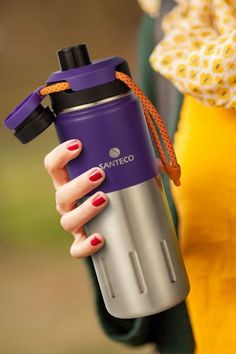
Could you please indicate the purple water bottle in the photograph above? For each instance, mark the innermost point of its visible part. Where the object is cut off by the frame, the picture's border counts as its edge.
(139, 269)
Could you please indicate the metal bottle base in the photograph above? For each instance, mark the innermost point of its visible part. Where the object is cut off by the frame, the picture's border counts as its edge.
(139, 269)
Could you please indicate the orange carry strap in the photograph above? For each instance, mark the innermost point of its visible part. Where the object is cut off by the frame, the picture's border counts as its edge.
(163, 143)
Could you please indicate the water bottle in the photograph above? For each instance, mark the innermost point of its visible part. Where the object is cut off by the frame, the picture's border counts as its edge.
(140, 270)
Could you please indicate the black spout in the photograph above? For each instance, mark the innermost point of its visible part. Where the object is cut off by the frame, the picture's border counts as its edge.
(73, 57)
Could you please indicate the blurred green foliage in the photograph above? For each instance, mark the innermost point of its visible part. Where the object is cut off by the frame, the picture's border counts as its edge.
(28, 216)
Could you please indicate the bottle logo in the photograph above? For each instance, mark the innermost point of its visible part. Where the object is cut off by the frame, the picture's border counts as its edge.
(115, 153)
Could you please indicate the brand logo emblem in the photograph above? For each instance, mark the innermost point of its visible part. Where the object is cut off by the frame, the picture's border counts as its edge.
(114, 152)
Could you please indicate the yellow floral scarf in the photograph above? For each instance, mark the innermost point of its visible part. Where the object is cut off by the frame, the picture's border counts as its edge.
(198, 52)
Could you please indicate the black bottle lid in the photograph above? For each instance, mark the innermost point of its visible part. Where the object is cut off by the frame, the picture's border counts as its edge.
(76, 57)
(39, 120)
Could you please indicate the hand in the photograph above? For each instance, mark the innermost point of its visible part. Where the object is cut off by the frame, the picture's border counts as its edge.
(68, 192)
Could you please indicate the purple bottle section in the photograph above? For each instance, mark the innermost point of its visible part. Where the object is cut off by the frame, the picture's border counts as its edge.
(115, 137)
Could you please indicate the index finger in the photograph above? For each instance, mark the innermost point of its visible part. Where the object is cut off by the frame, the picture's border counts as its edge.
(56, 160)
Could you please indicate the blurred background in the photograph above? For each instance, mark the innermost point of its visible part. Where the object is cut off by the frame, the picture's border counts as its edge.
(46, 302)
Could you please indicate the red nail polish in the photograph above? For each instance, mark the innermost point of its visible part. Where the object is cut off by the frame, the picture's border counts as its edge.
(99, 200)
(95, 241)
(73, 147)
(95, 176)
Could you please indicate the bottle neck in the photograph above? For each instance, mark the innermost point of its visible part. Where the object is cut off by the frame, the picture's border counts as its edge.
(67, 100)
(95, 104)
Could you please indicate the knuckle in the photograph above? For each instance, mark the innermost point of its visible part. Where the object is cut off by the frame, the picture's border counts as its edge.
(47, 163)
(59, 209)
(60, 195)
(75, 253)
(65, 223)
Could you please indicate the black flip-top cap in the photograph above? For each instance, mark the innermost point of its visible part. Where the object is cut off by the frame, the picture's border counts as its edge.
(73, 57)
(39, 120)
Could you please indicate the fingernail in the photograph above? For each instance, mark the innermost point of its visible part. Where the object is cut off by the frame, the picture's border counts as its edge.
(95, 241)
(95, 176)
(73, 147)
(99, 200)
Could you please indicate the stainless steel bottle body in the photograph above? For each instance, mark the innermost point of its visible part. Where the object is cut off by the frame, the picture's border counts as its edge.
(139, 269)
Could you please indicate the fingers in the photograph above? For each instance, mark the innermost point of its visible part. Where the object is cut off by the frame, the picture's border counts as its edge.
(57, 159)
(73, 220)
(84, 247)
(69, 193)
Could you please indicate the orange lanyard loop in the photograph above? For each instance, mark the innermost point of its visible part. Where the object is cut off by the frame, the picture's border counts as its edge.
(170, 163)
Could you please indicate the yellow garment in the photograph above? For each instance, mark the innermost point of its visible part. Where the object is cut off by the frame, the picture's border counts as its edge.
(198, 52)
(205, 144)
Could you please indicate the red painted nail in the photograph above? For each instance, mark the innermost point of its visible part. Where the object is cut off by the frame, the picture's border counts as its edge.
(73, 147)
(95, 176)
(95, 241)
(99, 200)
